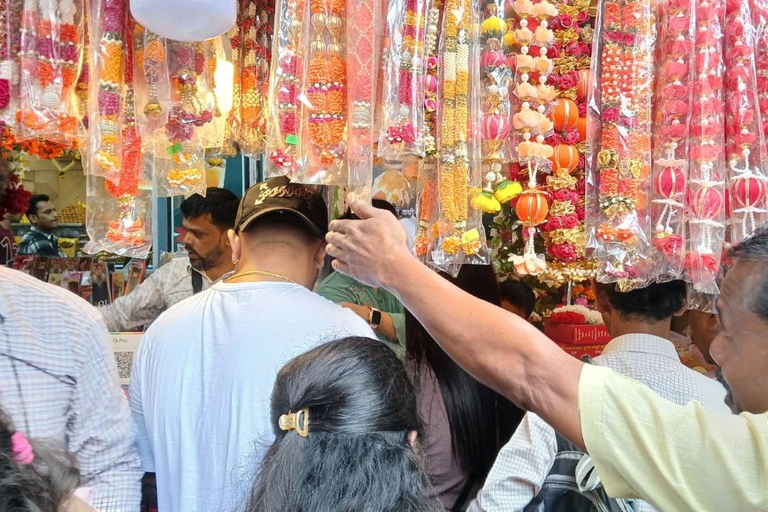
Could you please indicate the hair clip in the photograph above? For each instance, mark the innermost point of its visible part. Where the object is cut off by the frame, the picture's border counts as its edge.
(22, 450)
(293, 421)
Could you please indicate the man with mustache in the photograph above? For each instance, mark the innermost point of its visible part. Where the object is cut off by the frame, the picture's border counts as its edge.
(206, 221)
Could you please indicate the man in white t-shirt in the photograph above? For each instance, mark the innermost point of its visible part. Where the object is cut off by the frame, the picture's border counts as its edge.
(202, 381)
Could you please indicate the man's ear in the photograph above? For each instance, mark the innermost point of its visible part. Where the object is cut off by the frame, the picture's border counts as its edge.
(236, 243)
(320, 254)
(713, 323)
(602, 304)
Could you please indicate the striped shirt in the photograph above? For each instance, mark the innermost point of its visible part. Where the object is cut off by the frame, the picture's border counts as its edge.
(58, 381)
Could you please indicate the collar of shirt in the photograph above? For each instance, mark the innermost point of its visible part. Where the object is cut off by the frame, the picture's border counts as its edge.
(191, 269)
(49, 236)
(643, 343)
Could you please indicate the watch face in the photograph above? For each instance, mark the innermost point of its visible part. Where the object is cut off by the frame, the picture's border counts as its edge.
(376, 317)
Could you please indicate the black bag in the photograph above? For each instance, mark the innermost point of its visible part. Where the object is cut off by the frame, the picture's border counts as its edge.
(561, 491)
(197, 282)
(572, 484)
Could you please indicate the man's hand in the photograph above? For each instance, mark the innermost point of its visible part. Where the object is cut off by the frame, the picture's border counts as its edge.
(370, 249)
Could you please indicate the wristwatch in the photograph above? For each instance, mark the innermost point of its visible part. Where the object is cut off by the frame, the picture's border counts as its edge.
(374, 318)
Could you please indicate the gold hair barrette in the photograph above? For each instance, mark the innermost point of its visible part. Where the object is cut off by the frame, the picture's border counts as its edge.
(298, 421)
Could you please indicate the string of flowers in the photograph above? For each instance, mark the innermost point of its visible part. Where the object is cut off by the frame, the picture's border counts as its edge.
(532, 69)
(361, 55)
(496, 80)
(257, 31)
(564, 231)
(706, 182)
(427, 182)
(402, 128)
(234, 116)
(326, 92)
(109, 53)
(745, 154)
(628, 35)
(673, 115)
(6, 58)
(286, 84)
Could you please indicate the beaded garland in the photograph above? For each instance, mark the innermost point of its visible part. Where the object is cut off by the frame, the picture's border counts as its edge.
(257, 32)
(153, 61)
(628, 36)
(286, 85)
(326, 92)
(110, 68)
(706, 155)
(427, 192)
(234, 116)
(673, 115)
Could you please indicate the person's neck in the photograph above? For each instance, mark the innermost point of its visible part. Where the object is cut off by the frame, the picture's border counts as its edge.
(42, 230)
(214, 273)
(289, 268)
(5, 223)
(622, 326)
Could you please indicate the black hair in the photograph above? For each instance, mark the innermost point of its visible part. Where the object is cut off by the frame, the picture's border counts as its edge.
(755, 248)
(219, 202)
(281, 222)
(481, 421)
(356, 455)
(655, 302)
(41, 486)
(376, 203)
(37, 198)
(519, 294)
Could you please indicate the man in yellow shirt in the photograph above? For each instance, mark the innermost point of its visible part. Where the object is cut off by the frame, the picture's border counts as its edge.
(643, 446)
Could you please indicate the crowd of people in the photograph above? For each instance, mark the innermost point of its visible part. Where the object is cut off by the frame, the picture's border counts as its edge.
(391, 388)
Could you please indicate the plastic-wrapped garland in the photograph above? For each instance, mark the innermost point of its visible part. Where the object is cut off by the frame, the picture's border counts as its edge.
(706, 181)
(426, 202)
(7, 111)
(326, 88)
(402, 130)
(674, 94)
(153, 86)
(628, 36)
(362, 51)
(496, 80)
(286, 83)
(745, 154)
(234, 116)
(254, 75)
(454, 131)
(109, 55)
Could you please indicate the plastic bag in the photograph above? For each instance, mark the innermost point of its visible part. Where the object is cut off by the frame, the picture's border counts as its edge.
(107, 79)
(254, 74)
(286, 83)
(51, 42)
(232, 126)
(363, 69)
(707, 175)
(620, 129)
(323, 141)
(461, 238)
(182, 20)
(402, 130)
(181, 171)
(152, 83)
(674, 98)
(9, 69)
(743, 127)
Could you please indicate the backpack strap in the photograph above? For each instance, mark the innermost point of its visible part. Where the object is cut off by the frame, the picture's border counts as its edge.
(466, 489)
(197, 282)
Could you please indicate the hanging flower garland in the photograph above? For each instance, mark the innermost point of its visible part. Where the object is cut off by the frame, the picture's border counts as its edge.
(745, 154)
(109, 56)
(286, 84)
(403, 124)
(622, 232)
(362, 49)
(497, 78)
(326, 92)
(532, 66)
(254, 77)
(427, 193)
(706, 181)
(673, 107)
(234, 116)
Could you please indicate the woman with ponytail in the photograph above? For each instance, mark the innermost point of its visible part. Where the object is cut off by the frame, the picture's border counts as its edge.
(346, 426)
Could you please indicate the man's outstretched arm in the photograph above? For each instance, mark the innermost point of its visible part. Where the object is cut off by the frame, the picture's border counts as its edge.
(498, 348)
